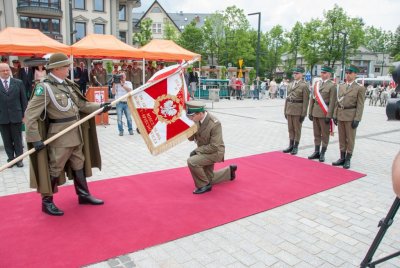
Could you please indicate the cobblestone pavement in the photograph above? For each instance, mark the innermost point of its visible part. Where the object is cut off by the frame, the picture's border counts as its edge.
(333, 228)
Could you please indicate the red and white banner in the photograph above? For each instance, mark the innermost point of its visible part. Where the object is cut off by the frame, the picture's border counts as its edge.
(323, 105)
(159, 110)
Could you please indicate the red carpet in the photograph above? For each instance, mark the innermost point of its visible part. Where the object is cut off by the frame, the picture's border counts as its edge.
(148, 209)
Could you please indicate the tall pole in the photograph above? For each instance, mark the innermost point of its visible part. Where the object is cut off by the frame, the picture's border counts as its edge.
(258, 42)
(343, 55)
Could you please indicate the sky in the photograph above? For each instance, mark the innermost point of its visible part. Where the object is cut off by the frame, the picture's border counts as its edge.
(383, 14)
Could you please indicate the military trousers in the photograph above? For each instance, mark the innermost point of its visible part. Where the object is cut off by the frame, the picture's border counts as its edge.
(202, 169)
(294, 127)
(58, 157)
(347, 136)
(321, 132)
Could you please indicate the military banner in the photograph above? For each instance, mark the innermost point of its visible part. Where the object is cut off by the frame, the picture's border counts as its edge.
(159, 110)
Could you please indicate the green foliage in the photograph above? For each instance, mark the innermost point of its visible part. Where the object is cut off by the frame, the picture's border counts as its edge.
(192, 39)
(252, 75)
(312, 42)
(170, 32)
(395, 48)
(214, 35)
(294, 39)
(145, 35)
(275, 49)
(109, 66)
(377, 40)
(223, 72)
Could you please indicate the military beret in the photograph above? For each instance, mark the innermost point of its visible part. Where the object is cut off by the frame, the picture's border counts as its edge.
(352, 69)
(15, 61)
(97, 62)
(327, 69)
(298, 69)
(193, 107)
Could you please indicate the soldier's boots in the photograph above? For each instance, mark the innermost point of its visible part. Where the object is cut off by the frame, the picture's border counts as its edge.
(315, 154)
(82, 190)
(322, 155)
(295, 148)
(290, 148)
(341, 160)
(49, 207)
(346, 164)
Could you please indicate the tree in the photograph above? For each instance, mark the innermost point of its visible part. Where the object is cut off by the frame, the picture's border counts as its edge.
(311, 42)
(294, 39)
(170, 32)
(395, 48)
(377, 40)
(276, 48)
(145, 35)
(335, 27)
(213, 32)
(192, 39)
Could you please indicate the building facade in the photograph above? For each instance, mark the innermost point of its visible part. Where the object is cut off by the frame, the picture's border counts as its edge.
(68, 21)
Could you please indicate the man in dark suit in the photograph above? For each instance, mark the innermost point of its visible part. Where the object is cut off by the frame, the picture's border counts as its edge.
(26, 75)
(13, 103)
(84, 79)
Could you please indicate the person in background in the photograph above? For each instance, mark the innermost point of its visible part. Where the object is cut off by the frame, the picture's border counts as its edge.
(13, 103)
(98, 75)
(257, 86)
(84, 79)
(210, 149)
(193, 81)
(120, 89)
(15, 68)
(26, 75)
(73, 154)
(40, 72)
(295, 110)
(347, 115)
(137, 75)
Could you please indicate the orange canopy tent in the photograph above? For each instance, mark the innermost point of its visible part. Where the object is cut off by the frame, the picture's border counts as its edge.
(29, 42)
(166, 50)
(102, 46)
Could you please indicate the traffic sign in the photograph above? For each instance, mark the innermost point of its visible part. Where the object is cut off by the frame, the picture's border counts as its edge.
(308, 76)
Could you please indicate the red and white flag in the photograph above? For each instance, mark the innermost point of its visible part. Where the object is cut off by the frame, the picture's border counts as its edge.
(160, 112)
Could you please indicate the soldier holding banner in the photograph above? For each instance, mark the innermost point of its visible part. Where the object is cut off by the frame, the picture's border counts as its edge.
(347, 115)
(56, 104)
(322, 105)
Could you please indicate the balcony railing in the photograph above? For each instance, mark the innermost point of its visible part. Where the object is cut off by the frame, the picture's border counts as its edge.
(55, 4)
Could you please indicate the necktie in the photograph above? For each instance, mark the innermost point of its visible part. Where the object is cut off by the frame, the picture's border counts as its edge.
(26, 69)
(6, 85)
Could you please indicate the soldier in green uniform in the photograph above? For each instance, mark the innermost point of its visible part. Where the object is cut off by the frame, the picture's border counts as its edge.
(321, 109)
(136, 75)
(210, 149)
(295, 110)
(347, 115)
(98, 75)
(55, 105)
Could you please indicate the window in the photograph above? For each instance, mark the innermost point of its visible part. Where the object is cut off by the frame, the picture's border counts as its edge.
(99, 5)
(40, 3)
(377, 70)
(48, 26)
(122, 36)
(99, 28)
(80, 28)
(156, 28)
(122, 13)
(79, 4)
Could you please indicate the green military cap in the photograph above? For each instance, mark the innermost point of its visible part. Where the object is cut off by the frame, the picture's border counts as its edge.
(352, 69)
(193, 107)
(58, 60)
(298, 69)
(98, 62)
(327, 69)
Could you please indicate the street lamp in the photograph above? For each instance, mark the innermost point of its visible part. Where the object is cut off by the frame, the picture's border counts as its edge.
(258, 41)
(343, 55)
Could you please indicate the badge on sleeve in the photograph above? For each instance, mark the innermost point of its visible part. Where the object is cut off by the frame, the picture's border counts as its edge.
(39, 90)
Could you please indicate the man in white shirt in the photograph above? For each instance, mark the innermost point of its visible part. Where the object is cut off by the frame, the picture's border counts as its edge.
(119, 89)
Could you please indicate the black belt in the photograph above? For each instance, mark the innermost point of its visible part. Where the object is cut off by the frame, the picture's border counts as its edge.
(123, 102)
(349, 107)
(63, 120)
(295, 101)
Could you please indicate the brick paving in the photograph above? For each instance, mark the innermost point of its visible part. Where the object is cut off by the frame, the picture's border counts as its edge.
(333, 228)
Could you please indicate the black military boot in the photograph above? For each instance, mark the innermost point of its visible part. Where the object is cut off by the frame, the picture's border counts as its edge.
(315, 154)
(290, 148)
(49, 207)
(340, 161)
(346, 164)
(82, 190)
(322, 155)
(295, 148)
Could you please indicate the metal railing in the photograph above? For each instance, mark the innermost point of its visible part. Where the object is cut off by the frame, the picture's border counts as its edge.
(55, 4)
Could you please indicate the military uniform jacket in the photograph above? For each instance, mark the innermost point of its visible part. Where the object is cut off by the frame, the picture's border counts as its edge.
(209, 139)
(328, 94)
(350, 102)
(297, 99)
(136, 76)
(39, 170)
(53, 100)
(101, 77)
